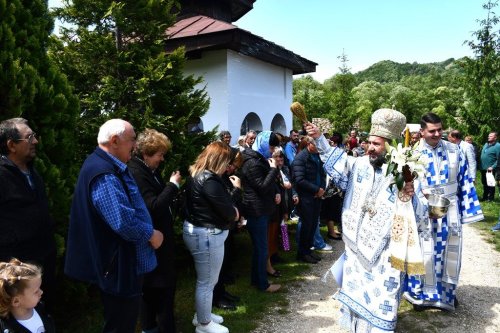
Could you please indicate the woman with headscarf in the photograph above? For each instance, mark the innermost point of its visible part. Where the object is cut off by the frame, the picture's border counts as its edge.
(157, 308)
(261, 194)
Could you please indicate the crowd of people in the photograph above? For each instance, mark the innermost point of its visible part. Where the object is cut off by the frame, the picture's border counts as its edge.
(121, 232)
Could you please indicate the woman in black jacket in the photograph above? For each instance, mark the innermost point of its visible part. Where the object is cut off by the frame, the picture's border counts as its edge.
(210, 212)
(157, 308)
(261, 195)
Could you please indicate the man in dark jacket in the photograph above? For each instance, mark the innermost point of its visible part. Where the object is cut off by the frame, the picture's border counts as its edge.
(111, 239)
(309, 179)
(26, 228)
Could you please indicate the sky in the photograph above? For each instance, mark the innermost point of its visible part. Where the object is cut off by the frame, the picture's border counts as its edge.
(366, 31)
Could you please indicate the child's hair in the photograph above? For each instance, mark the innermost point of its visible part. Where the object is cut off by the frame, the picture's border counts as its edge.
(13, 277)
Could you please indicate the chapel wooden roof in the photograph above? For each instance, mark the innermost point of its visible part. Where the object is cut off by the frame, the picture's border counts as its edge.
(224, 10)
(199, 33)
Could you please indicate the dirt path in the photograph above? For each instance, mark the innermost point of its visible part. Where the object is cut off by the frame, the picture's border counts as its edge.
(311, 308)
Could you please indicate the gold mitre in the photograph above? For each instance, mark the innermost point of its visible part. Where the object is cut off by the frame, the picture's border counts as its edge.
(387, 123)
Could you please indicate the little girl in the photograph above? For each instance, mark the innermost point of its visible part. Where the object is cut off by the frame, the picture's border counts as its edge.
(20, 293)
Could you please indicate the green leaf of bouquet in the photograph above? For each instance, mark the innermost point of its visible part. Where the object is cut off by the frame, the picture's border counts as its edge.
(391, 168)
(400, 181)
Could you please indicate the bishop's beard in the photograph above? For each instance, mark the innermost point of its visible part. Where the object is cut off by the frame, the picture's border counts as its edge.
(378, 161)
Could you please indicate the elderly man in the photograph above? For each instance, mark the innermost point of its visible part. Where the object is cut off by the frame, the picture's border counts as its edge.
(414, 138)
(250, 138)
(371, 285)
(26, 228)
(441, 238)
(467, 149)
(111, 240)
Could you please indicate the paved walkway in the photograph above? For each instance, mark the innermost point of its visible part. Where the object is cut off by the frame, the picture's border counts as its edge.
(311, 308)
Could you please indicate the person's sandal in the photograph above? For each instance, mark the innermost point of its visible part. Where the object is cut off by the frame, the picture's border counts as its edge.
(275, 274)
(273, 288)
(337, 237)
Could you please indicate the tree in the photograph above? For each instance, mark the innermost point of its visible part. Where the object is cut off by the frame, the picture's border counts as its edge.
(342, 113)
(113, 53)
(368, 96)
(312, 96)
(482, 77)
(32, 87)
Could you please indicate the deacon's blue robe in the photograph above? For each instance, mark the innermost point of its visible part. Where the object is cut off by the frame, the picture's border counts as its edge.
(441, 239)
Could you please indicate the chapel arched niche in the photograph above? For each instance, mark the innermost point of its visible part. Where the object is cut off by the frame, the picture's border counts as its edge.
(278, 124)
(251, 122)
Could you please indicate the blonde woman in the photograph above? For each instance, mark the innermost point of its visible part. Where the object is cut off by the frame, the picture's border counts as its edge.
(210, 213)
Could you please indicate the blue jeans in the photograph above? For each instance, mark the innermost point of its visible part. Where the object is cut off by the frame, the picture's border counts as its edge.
(207, 248)
(319, 242)
(257, 227)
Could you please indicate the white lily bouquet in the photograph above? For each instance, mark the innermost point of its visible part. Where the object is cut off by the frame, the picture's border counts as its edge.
(404, 163)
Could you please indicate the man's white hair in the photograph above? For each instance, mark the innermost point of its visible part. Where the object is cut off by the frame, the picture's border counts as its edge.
(110, 128)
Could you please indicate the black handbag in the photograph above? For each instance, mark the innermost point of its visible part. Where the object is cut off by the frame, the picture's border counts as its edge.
(332, 190)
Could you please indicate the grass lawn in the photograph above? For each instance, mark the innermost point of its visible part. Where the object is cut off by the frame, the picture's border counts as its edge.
(491, 211)
(254, 304)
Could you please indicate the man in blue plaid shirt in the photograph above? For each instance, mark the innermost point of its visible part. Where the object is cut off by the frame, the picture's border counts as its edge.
(111, 240)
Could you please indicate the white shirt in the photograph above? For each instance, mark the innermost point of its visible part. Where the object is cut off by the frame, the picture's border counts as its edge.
(34, 324)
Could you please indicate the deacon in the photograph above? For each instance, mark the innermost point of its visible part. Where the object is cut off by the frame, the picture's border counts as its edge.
(370, 290)
(441, 239)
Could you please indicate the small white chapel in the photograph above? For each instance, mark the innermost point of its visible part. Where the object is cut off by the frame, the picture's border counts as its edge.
(248, 79)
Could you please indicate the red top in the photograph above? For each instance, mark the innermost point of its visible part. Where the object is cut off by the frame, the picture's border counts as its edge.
(353, 142)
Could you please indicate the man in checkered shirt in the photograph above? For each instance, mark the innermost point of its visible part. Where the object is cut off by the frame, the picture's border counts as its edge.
(111, 240)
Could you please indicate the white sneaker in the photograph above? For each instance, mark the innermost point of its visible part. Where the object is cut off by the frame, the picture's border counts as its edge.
(215, 318)
(326, 248)
(212, 327)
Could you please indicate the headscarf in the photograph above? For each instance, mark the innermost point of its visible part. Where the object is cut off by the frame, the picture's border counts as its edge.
(263, 141)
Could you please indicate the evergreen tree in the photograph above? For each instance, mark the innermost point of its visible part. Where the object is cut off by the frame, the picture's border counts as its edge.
(342, 113)
(32, 87)
(482, 77)
(113, 53)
